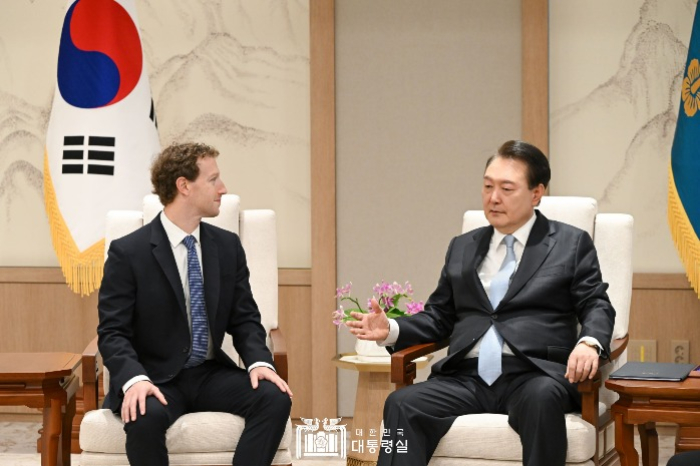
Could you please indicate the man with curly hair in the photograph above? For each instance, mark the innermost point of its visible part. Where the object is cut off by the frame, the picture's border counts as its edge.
(170, 292)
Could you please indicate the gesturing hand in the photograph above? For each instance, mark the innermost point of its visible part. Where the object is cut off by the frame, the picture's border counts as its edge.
(135, 398)
(373, 326)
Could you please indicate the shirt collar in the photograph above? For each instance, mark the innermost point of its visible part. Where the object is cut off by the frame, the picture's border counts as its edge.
(174, 233)
(521, 234)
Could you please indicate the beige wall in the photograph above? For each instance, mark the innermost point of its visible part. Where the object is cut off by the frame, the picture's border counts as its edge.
(234, 74)
(615, 73)
(425, 92)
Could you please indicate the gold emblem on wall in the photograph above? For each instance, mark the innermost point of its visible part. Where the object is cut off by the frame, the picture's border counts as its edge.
(689, 91)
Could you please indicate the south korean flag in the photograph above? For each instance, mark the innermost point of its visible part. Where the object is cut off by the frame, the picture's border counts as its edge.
(102, 134)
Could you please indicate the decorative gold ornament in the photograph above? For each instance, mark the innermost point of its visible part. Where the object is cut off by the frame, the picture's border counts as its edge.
(689, 90)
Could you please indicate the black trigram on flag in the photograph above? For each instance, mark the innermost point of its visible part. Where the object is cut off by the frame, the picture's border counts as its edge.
(100, 155)
(152, 114)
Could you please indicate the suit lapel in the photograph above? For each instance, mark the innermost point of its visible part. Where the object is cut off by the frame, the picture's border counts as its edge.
(474, 253)
(538, 247)
(211, 271)
(163, 253)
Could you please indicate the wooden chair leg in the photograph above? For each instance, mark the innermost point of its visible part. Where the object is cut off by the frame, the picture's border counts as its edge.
(649, 440)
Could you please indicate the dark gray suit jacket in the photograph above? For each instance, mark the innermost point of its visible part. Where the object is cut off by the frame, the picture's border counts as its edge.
(143, 328)
(557, 285)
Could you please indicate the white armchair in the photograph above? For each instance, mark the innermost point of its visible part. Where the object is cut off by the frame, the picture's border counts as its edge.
(487, 439)
(205, 438)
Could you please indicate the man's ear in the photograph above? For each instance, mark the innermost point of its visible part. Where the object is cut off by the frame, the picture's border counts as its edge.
(182, 186)
(537, 194)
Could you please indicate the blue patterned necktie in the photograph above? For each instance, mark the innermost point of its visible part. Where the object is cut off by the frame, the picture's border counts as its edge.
(198, 311)
(491, 350)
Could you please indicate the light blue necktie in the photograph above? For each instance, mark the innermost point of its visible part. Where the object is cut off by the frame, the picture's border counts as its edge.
(198, 310)
(491, 350)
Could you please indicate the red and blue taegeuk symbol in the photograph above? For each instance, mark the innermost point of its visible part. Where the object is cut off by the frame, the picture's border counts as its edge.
(100, 57)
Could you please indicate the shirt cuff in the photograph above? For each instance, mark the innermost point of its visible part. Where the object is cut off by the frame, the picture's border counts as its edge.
(393, 334)
(132, 381)
(260, 364)
(592, 341)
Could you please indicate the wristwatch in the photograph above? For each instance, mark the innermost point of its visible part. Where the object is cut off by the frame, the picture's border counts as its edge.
(592, 345)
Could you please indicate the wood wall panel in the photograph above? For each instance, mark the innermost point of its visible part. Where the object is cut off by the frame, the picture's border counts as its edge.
(295, 315)
(323, 219)
(535, 73)
(665, 308)
(39, 313)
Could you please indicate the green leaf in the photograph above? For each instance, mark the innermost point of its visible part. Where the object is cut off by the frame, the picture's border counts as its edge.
(394, 313)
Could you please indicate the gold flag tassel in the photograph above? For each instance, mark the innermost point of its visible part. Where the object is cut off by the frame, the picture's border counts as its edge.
(82, 270)
(683, 234)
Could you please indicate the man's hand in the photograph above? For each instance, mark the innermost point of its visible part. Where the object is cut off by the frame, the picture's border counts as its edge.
(583, 363)
(373, 326)
(135, 397)
(265, 373)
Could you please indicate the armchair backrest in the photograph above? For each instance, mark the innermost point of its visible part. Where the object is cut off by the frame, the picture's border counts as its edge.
(258, 232)
(612, 236)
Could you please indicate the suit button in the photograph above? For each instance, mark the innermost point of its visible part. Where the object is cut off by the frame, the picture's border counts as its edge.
(170, 376)
(186, 349)
(494, 316)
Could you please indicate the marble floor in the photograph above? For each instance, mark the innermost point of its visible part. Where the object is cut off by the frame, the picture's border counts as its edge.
(18, 446)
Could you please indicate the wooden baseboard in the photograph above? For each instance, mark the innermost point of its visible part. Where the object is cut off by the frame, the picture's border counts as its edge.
(665, 308)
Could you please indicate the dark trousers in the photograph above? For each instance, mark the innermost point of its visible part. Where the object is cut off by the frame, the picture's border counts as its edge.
(212, 387)
(534, 402)
(690, 458)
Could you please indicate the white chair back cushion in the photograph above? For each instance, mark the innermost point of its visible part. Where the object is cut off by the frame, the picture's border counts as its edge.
(120, 223)
(228, 217)
(612, 235)
(257, 229)
(613, 241)
(151, 208)
(259, 237)
(473, 219)
(577, 211)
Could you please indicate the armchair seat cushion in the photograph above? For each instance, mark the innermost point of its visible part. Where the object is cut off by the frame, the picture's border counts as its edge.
(102, 432)
(494, 439)
(441, 461)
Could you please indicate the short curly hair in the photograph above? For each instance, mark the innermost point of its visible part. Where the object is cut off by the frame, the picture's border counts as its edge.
(175, 161)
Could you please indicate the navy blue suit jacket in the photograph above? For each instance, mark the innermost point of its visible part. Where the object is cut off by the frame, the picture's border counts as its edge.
(143, 327)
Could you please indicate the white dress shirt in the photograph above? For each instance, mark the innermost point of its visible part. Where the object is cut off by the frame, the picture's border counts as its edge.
(176, 236)
(487, 270)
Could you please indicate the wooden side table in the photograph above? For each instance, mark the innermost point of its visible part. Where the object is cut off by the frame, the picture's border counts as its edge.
(373, 386)
(644, 403)
(46, 381)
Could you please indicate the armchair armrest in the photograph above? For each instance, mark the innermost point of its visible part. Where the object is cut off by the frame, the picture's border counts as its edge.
(403, 372)
(403, 369)
(92, 367)
(617, 347)
(279, 354)
(590, 389)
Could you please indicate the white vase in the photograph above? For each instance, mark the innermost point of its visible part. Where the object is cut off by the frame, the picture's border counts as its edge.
(370, 351)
